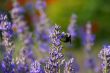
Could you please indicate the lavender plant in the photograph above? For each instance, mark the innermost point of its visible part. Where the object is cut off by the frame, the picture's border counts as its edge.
(40, 4)
(23, 31)
(42, 27)
(88, 37)
(26, 61)
(36, 67)
(56, 56)
(7, 64)
(56, 59)
(21, 65)
(72, 26)
(71, 66)
(88, 41)
(16, 12)
(7, 32)
(104, 56)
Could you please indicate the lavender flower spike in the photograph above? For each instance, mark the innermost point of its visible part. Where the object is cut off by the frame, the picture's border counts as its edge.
(7, 63)
(7, 32)
(42, 27)
(21, 65)
(88, 38)
(104, 55)
(56, 56)
(23, 31)
(88, 42)
(40, 4)
(72, 26)
(36, 67)
(71, 66)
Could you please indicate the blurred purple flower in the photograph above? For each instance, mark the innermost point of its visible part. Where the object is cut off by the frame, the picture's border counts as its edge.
(87, 37)
(72, 26)
(40, 4)
(88, 41)
(23, 31)
(16, 11)
(44, 47)
(90, 63)
(42, 27)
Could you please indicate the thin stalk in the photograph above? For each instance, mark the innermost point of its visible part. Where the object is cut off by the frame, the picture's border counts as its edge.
(105, 69)
(59, 70)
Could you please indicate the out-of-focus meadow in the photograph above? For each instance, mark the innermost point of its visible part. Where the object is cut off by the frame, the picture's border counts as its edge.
(60, 11)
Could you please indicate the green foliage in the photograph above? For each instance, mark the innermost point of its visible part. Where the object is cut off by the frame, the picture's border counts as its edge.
(61, 11)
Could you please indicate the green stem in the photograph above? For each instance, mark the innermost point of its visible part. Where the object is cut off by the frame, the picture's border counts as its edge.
(59, 70)
(105, 70)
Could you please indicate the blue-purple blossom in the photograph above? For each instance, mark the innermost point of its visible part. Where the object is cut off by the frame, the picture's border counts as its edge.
(16, 11)
(23, 32)
(88, 41)
(104, 55)
(56, 56)
(42, 34)
(73, 26)
(36, 67)
(71, 66)
(21, 65)
(40, 4)
(44, 47)
(7, 64)
(7, 32)
(90, 63)
(87, 37)
(42, 26)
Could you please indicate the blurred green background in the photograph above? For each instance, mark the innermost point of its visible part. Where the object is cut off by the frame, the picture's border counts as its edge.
(60, 11)
(96, 11)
